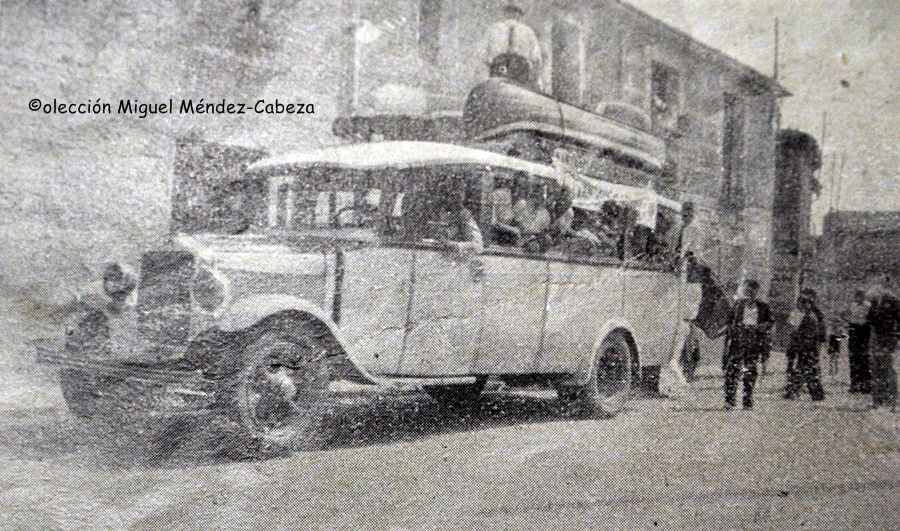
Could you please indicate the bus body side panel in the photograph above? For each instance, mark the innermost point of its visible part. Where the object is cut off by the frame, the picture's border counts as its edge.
(651, 305)
(445, 316)
(374, 300)
(582, 298)
(515, 290)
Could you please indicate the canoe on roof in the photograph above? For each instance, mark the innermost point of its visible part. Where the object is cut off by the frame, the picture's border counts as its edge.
(497, 107)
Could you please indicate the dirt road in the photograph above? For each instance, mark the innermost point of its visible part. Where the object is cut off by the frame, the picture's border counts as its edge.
(516, 461)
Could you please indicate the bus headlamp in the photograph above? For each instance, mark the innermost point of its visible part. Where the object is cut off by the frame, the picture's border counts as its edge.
(209, 289)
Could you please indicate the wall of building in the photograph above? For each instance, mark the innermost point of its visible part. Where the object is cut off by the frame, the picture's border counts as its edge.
(109, 177)
(852, 245)
(617, 50)
(78, 190)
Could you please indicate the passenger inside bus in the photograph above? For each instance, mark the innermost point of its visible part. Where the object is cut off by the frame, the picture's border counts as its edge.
(502, 216)
(665, 241)
(543, 218)
(592, 233)
(441, 214)
(611, 227)
(532, 218)
(236, 206)
(338, 209)
(457, 229)
(574, 233)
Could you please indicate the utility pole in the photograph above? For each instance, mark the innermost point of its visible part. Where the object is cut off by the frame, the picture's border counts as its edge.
(776, 102)
(821, 170)
(837, 201)
(831, 182)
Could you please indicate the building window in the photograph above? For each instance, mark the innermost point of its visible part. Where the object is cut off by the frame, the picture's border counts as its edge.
(733, 153)
(430, 29)
(664, 96)
(567, 60)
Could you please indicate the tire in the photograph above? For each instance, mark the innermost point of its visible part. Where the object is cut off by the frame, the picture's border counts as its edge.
(690, 356)
(276, 388)
(456, 395)
(609, 386)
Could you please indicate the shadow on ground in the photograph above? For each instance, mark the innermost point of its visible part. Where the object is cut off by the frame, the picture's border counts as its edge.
(51, 434)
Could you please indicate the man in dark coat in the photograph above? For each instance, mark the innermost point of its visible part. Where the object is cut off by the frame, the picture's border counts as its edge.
(803, 349)
(712, 314)
(884, 322)
(748, 335)
(858, 343)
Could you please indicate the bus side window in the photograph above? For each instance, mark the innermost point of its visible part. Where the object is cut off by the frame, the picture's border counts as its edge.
(397, 210)
(395, 226)
(665, 241)
(596, 233)
(434, 201)
(323, 209)
(344, 209)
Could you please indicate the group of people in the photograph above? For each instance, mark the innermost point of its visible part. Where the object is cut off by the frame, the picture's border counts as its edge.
(873, 326)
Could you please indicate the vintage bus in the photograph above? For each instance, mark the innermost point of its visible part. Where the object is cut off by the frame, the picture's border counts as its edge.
(427, 263)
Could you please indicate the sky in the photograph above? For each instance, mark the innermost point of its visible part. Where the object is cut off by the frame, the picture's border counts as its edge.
(837, 57)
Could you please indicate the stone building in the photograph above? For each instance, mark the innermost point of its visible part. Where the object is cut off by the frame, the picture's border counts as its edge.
(79, 188)
(852, 245)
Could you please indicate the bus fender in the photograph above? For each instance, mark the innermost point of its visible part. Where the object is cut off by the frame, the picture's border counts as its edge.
(248, 311)
(583, 373)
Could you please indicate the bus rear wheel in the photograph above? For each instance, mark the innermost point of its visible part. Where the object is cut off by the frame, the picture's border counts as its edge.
(609, 386)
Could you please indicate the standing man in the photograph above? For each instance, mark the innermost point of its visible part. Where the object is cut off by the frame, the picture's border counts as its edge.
(748, 337)
(883, 319)
(858, 343)
(511, 49)
(685, 346)
(804, 349)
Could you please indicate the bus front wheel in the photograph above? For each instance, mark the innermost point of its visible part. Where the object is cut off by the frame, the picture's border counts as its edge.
(278, 388)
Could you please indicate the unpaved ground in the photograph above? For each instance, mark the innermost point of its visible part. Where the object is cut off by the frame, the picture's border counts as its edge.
(515, 461)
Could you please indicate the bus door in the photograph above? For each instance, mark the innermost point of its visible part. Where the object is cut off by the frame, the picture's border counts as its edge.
(654, 292)
(338, 212)
(516, 276)
(447, 272)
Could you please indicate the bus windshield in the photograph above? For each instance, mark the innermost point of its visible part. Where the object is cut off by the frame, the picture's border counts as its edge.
(398, 203)
(230, 207)
(323, 197)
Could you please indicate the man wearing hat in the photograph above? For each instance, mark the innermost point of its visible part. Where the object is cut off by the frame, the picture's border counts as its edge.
(803, 349)
(884, 322)
(511, 49)
(748, 337)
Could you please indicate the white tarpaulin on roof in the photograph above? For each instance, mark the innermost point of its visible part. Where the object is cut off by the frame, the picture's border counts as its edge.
(590, 194)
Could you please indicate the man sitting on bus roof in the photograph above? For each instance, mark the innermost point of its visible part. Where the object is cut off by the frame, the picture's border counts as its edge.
(511, 49)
